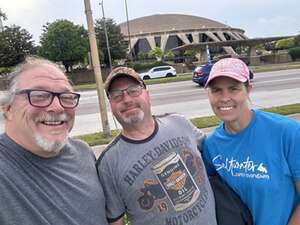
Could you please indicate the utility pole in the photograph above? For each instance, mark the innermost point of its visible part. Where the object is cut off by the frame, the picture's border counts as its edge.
(97, 68)
(128, 31)
(106, 36)
(1, 24)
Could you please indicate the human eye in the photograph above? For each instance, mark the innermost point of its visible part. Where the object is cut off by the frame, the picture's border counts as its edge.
(68, 97)
(214, 90)
(115, 94)
(134, 90)
(39, 95)
(234, 88)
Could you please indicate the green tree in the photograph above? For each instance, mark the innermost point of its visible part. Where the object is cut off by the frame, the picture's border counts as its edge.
(157, 53)
(270, 46)
(143, 55)
(15, 44)
(297, 40)
(117, 44)
(284, 43)
(63, 41)
(3, 15)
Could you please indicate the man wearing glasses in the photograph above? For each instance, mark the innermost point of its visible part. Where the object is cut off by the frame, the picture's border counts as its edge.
(152, 171)
(45, 176)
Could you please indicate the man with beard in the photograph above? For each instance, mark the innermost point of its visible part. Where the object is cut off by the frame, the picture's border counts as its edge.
(45, 176)
(153, 170)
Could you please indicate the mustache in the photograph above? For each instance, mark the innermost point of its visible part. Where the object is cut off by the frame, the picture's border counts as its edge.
(52, 117)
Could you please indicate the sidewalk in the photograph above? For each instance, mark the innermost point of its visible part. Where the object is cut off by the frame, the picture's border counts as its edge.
(99, 148)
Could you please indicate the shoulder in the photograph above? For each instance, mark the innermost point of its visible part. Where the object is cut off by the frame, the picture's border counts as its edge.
(77, 143)
(109, 150)
(173, 119)
(276, 120)
(80, 147)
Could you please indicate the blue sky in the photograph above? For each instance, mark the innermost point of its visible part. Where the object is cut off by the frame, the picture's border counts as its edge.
(259, 18)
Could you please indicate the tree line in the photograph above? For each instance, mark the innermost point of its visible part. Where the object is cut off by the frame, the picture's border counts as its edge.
(60, 41)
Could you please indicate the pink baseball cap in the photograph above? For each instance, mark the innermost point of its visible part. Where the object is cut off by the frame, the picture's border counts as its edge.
(229, 67)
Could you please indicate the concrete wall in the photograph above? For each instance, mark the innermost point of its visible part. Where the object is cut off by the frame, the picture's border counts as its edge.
(86, 76)
(282, 57)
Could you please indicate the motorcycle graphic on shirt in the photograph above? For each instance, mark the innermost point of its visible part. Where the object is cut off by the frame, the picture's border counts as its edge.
(175, 181)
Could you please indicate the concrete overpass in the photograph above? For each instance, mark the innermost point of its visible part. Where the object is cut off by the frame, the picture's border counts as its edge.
(217, 46)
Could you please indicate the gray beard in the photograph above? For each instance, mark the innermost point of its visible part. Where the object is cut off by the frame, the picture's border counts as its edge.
(49, 147)
(135, 118)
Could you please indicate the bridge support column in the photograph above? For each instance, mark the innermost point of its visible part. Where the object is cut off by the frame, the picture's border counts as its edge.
(254, 59)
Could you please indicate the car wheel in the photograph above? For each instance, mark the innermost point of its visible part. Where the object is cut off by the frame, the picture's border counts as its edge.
(169, 75)
(146, 77)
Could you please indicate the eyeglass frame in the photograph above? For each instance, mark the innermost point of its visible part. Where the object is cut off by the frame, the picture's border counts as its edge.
(141, 87)
(53, 94)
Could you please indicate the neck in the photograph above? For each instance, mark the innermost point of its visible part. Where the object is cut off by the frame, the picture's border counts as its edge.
(236, 126)
(139, 131)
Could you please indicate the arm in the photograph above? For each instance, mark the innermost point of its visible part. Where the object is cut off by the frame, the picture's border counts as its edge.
(118, 222)
(295, 218)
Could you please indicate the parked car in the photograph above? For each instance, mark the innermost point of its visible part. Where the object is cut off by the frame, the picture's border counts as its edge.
(159, 71)
(201, 73)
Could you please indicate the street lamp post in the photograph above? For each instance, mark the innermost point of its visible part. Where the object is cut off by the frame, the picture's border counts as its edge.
(106, 36)
(1, 24)
(128, 31)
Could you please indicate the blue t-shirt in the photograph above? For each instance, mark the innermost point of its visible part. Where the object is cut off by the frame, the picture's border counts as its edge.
(261, 163)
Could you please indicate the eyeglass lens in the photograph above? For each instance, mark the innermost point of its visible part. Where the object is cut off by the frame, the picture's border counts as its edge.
(132, 91)
(42, 98)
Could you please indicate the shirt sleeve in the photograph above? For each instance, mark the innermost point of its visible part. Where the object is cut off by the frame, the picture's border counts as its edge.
(115, 208)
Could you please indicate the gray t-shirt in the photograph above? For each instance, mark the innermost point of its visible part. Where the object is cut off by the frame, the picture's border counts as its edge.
(63, 190)
(160, 180)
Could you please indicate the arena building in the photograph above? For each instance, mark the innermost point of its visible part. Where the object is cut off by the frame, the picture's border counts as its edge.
(169, 31)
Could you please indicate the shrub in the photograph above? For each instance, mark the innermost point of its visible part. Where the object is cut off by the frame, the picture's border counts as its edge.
(4, 70)
(145, 66)
(294, 53)
(143, 55)
(285, 43)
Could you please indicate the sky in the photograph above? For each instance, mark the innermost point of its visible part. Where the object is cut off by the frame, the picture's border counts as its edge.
(259, 18)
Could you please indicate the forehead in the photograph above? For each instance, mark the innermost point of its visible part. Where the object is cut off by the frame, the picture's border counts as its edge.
(43, 76)
(123, 81)
(220, 81)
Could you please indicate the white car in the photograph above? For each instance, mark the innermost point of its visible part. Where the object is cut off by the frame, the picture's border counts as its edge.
(159, 71)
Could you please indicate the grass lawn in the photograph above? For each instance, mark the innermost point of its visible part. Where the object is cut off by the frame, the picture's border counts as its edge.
(201, 122)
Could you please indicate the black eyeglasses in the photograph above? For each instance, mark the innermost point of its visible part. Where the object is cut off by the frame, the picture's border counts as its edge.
(42, 98)
(132, 91)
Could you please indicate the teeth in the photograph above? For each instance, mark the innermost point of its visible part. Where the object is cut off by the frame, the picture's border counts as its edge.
(52, 123)
(226, 108)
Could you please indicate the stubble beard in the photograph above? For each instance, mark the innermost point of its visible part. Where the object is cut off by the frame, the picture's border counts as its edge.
(133, 119)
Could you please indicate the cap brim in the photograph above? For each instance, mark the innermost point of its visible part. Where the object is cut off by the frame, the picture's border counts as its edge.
(232, 75)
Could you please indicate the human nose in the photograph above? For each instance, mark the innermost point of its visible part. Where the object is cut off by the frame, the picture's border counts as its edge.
(126, 96)
(225, 95)
(55, 105)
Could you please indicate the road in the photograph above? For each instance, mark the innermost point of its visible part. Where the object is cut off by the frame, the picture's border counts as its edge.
(187, 98)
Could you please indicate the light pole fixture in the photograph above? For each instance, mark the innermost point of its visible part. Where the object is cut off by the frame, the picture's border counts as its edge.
(106, 36)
